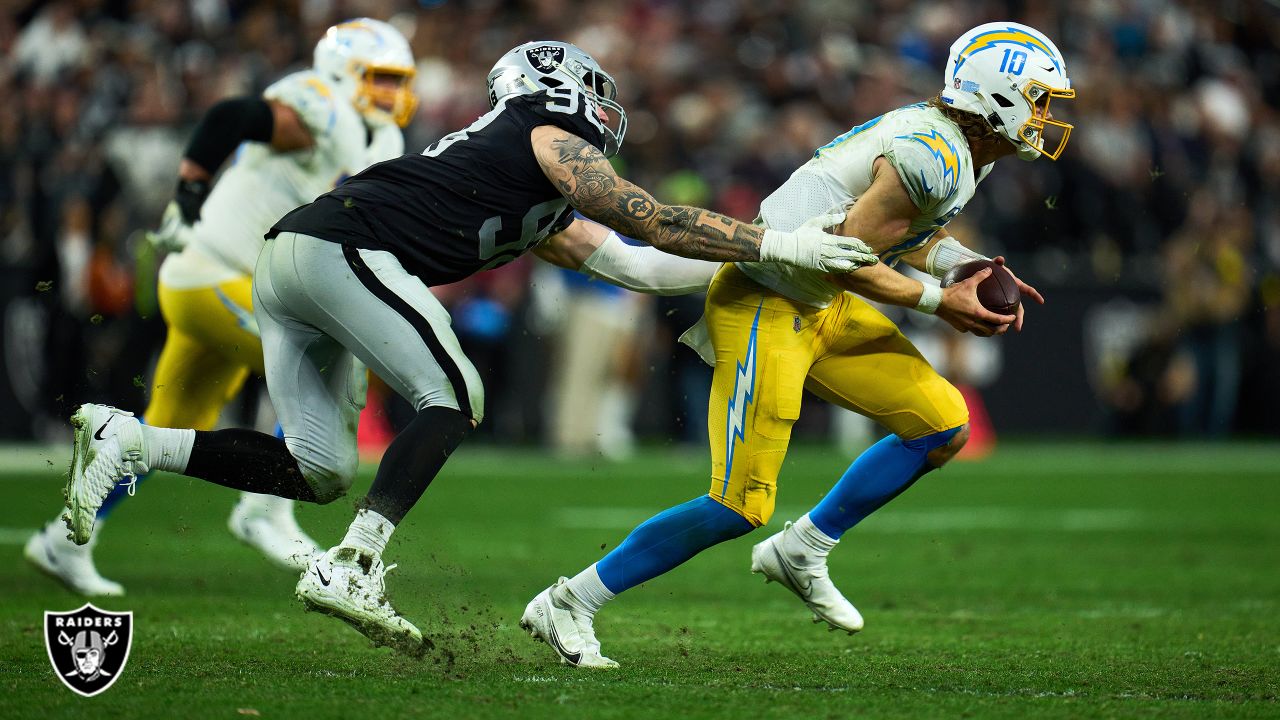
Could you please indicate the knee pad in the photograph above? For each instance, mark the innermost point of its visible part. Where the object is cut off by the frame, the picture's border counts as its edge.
(927, 444)
(330, 481)
(756, 509)
(326, 485)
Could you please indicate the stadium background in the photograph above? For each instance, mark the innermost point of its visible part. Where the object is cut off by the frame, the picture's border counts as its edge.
(1156, 238)
(1080, 578)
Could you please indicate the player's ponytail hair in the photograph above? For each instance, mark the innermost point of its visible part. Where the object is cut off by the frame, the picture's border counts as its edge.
(976, 129)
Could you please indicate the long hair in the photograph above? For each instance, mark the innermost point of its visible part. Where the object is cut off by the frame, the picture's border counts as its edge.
(976, 129)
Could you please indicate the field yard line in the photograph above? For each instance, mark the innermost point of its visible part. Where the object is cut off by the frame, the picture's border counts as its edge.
(944, 519)
(15, 536)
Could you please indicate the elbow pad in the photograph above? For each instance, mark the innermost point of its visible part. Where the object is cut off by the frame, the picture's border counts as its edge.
(225, 126)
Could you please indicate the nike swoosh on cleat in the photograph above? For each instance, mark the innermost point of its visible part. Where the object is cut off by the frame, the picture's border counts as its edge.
(98, 434)
(323, 580)
(806, 589)
(573, 658)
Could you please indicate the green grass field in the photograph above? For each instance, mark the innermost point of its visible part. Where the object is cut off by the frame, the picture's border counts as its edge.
(1048, 581)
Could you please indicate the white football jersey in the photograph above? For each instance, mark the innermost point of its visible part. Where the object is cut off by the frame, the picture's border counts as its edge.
(261, 185)
(932, 158)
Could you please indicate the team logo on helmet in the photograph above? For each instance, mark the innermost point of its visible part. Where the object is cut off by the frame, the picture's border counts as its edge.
(88, 647)
(545, 58)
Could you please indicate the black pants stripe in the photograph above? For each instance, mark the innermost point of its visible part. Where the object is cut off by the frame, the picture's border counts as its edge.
(451, 370)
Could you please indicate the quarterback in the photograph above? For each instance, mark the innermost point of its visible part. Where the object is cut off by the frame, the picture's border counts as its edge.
(772, 332)
(344, 282)
(306, 133)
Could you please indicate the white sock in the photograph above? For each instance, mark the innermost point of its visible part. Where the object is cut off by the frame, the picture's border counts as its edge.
(167, 448)
(256, 504)
(587, 591)
(813, 538)
(369, 532)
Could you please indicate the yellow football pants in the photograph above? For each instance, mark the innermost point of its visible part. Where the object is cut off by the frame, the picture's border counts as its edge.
(211, 347)
(769, 349)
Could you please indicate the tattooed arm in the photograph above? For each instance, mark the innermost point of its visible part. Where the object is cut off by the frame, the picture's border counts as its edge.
(582, 174)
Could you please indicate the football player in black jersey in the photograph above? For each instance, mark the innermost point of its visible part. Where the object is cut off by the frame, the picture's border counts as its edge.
(343, 285)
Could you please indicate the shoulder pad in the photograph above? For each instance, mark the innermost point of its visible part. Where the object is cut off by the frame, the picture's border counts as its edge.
(929, 165)
(310, 97)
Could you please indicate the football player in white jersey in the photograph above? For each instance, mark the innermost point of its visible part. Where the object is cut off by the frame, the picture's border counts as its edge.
(772, 332)
(306, 133)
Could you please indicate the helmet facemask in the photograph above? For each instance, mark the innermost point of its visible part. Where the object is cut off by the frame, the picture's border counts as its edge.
(600, 90)
(386, 93)
(1032, 141)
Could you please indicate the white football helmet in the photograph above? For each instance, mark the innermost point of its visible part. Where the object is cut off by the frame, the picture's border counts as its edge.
(536, 66)
(353, 54)
(1008, 73)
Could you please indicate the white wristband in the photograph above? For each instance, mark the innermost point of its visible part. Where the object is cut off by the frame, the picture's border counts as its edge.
(930, 299)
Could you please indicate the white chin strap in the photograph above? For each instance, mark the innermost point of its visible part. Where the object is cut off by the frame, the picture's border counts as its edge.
(1027, 153)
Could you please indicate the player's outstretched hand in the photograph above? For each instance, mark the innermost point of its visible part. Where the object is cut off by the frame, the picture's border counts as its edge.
(173, 233)
(961, 308)
(811, 248)
(1026, 290)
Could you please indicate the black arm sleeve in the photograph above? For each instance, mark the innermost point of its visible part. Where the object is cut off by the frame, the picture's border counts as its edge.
(225, 126)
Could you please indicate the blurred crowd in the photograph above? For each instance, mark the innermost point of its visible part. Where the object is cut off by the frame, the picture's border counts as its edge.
(1165, 207)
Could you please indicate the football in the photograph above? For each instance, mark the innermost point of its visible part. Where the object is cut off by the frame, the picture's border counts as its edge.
(998, 293)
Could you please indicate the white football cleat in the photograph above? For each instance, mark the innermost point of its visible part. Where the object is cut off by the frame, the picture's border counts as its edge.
(53, 553)
(549, 618)
(788, 561)
(351, 586)
(107, 449)
(267, 524)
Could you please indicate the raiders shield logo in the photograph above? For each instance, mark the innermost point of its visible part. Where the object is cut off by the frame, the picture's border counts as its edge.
(88, 647)
(544, 58)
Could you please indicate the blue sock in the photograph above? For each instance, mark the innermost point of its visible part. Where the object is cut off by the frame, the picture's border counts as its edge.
(877, 476)
(668, 539)
(279, 431)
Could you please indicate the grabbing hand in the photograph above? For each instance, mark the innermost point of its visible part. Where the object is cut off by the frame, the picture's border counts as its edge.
(173, 234)
(811, 248)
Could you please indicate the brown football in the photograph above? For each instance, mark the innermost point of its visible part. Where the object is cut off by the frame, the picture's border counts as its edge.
(998, 293)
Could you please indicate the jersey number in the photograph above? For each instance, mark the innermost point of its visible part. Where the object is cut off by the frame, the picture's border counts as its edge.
(1013, 61)
(567, 99)
(533, 230)
(480, 123)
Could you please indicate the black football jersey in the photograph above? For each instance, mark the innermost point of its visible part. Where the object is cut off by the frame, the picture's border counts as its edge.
(474, 200)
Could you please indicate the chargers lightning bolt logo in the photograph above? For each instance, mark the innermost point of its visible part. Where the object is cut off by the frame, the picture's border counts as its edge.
(244, 318)
(946, 155)
(742, 397)
(1007, 36)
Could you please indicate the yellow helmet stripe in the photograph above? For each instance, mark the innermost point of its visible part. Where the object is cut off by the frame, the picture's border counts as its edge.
(1014, 36)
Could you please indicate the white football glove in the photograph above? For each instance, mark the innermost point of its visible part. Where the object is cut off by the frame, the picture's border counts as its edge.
(811, 248)
(173, 234)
